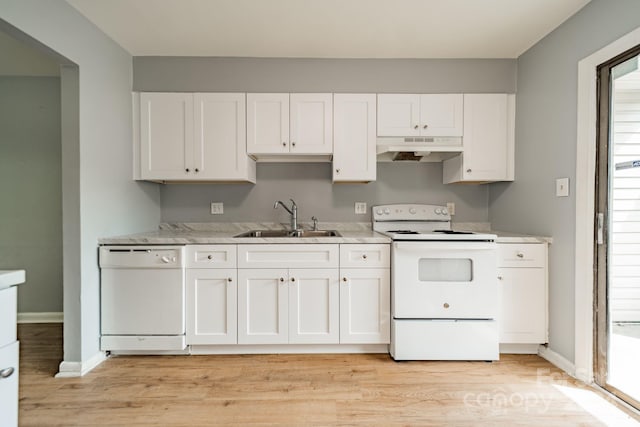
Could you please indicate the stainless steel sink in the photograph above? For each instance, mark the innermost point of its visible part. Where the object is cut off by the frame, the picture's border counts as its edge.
(289, 233)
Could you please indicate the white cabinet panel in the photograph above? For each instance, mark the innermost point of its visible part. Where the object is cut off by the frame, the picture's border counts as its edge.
(220, 138)
(212, 306)
(267, 123)
(311, 123)
(354, 137)
(365, 315)
(522, 255)
(488, 153)
(420, 115)
(9, 385)
(211, 256)
(166, 135)
(288, 256)
(524, 305)
(314, 306)
(365, 256)
(263, 306)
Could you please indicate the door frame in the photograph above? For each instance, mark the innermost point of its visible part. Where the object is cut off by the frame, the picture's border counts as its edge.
(584, 283)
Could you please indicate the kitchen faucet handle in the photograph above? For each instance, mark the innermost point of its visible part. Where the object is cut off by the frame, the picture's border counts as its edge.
(293, 205)
(315, 223)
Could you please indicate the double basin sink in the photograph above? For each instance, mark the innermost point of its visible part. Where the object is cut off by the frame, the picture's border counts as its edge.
(289, 233)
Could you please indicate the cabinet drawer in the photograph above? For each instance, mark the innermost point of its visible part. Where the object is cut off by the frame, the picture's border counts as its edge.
(522, 254)
(364, 256)
(288, 256)
(211, 256)
(8, 315)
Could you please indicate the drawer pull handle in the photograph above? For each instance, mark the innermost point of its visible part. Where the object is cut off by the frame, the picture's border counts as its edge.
(282, 279)
(446, 305)
(7, 372)
(520, 255)
(293, 279)
(344, 279)
(499, 277)
(364, 256)
(229, 280)
(210, 257)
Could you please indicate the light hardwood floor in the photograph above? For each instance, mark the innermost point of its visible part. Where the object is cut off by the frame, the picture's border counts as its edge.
(291, 390)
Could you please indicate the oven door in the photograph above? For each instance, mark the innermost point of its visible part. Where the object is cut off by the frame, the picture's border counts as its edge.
(444, 280)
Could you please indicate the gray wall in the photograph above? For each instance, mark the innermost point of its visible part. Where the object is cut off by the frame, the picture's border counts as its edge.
(546, 112)
(31, 189)
(310, 184)
(104, 200)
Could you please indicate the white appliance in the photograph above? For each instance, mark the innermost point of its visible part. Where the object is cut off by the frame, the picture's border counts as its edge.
(142, 298)
(444, 286)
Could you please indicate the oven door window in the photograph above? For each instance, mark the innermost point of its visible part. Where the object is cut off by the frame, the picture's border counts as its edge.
(445, 270)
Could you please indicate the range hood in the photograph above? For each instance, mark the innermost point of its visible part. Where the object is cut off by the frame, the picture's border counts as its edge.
(418, 149)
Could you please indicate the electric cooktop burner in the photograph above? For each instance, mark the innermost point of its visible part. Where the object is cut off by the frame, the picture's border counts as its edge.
(403, 232)
(452, 232)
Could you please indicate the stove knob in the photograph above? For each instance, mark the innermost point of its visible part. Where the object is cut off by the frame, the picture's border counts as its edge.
(379, 212)
(387, 211)
(445, 211)
(438, 211)
(412, 211)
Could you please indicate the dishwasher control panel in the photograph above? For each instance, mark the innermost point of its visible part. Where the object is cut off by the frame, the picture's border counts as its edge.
(142, 257)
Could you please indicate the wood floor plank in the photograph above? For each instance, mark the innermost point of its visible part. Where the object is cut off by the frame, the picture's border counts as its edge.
(290, 390)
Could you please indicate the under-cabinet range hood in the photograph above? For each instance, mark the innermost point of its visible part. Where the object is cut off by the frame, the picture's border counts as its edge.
(418, 149)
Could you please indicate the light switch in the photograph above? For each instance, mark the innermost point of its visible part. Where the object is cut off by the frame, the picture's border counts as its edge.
(217, 208)
(562, 187)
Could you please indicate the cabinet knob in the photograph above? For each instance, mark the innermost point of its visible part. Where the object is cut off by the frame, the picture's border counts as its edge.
(293, 144)
(187, 170)
(337, 170)
(520, 255)
(210, 257)
(282, 279)
(197, 170)
(446, 305)
(293, 279)
(499, 277)
(344, 279)
(284, 144)
(7, 372)
(229, 280)
(364, 256)
(468, 170)
(416, 127)
(425, 126)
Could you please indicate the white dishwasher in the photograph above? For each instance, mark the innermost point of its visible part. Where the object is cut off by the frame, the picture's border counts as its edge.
(142, 298)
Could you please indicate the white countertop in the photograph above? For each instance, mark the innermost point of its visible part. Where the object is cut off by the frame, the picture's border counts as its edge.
(10, 278)
(509, 237)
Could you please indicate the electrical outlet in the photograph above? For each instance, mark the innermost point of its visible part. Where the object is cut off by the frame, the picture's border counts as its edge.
(451, 207)
(361, 208)
(562, 187)
(217, 208)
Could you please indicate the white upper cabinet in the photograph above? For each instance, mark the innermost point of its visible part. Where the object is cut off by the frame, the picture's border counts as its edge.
(193, 137)
(420, 115)
(488, 142)
(354, 137)
(283, 124)
(166, 136)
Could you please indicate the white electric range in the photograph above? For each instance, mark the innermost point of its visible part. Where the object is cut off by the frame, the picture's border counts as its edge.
(444, 286)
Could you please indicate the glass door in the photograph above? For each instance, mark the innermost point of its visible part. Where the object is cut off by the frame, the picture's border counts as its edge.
(617, 309)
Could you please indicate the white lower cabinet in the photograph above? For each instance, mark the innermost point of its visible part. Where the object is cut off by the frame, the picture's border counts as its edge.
(314, 306)
(522, 274)
(365, 306)
(9, 349)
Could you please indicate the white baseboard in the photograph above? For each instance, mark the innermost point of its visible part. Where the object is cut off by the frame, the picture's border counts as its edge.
(78, 369)
(41, 317)
(519, 348)
(557, 360)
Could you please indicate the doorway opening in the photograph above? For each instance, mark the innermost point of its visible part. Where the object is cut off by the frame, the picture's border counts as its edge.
(617, 249)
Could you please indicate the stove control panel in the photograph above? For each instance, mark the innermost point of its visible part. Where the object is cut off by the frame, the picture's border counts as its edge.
(410, 212)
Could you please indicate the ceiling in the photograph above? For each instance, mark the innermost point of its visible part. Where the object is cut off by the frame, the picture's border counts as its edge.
(328, 28)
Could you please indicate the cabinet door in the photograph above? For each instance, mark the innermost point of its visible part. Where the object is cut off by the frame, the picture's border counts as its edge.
(354, 137)
(267, 123)
(485, 141)
(166, 136)
(263, 306)
(9, 385)
(8, 315)
(220, 137)
(314, 306)
(365, 315)
(523, 311)
(311, 123)
(212, 306)
(441, 115)
(398, 115)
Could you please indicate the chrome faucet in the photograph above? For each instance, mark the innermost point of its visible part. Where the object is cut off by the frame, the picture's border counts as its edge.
(293, 212)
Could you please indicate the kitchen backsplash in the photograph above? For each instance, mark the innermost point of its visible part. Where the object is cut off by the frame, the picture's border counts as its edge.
(309, 184)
